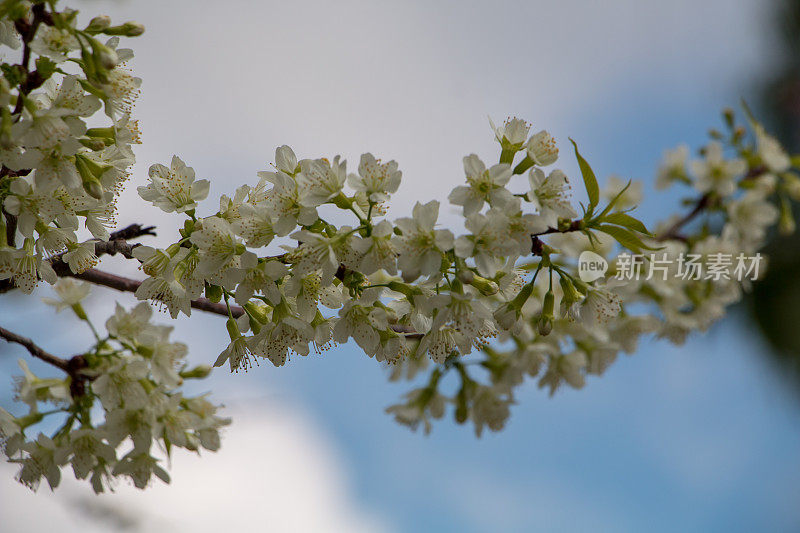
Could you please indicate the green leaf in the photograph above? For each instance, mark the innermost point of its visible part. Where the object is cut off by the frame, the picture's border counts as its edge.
(45, 67)
(213, 292)
(589, 179)
(625, 237)
(624, 219)
(614, 200)
(748, 113)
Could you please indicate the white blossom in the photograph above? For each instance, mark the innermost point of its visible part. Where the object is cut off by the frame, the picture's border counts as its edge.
(375, 179)
(542, 149)
(550, 195)
(70, 292)
(483, 185)
(420, 245)
(174, 188)
(715, 173)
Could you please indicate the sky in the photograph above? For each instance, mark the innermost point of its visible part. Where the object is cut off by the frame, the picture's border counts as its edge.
(698, 438)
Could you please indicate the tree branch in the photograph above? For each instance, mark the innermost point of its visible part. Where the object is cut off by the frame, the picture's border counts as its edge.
(116, 244)
(673, 231)
(35, 350)
(120, 283)
(703, 203)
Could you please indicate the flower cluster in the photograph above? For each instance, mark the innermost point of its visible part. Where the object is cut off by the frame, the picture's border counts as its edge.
(309, 256)
(119, 399)
(59, 174)
(411, 294)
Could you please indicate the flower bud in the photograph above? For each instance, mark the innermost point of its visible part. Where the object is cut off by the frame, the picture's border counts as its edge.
(129, 29)
(546, 319)
(571, 294)
(257, 312)
(87, 171)
(404, 288)
(198, 372)
(233, 329)
(485, 286)
(93, 144)
(106, 57)
(98, 24)
(107, 135)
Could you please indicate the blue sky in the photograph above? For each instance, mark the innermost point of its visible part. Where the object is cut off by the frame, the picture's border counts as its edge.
(702, 437)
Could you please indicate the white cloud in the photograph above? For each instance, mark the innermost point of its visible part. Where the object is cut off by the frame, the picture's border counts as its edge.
(276, 472)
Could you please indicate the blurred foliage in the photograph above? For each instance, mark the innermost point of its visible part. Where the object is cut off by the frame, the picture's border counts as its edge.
(775, 300)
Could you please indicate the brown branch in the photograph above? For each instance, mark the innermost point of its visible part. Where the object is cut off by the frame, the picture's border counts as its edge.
(72, 366)
(537, 246)
(11, 227)
(701, 204)
(116, 244)
(35, 350)
(574, 225)
(132, 231)
(120, 283)
(673, 232)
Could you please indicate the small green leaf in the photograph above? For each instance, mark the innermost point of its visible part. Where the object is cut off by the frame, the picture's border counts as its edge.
(45, 67)
(748, 113)
(614, 200)
(624, 219)
(589, 179)
(213, 292)
(625, 237)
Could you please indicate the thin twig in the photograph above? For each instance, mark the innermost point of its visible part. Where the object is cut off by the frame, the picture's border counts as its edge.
(116, 244)
(120, 283)
(35, 350)
(703, 203)
(673, 232)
